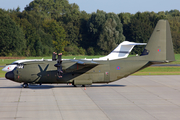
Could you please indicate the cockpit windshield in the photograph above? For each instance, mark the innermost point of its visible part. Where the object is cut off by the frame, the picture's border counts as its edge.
(19, 65)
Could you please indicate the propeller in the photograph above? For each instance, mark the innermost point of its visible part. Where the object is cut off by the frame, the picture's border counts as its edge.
(59, 66)
(40, 68)
(41, 73)
(54, 56)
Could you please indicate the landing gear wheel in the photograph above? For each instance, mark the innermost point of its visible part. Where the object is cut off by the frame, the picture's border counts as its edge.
(77, 85)
(25, 85)
(86, 85)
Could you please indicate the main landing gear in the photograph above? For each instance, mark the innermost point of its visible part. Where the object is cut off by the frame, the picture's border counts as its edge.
(25, 85)
(82, 85)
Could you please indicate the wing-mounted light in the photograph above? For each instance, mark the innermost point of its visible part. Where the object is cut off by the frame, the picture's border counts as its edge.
(59, 65)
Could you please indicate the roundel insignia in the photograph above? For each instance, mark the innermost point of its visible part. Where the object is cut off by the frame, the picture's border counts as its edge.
(159, 50)
(118, 68)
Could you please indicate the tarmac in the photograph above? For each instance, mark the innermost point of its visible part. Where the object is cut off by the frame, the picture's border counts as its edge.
(131, 98)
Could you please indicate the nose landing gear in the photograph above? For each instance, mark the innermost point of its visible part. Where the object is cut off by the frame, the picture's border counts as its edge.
(25, 85)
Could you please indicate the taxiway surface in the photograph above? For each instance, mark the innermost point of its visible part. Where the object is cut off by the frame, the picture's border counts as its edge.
(131, 98)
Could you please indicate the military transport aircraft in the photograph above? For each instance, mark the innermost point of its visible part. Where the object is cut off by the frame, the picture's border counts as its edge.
(85, 72)
(121, 51)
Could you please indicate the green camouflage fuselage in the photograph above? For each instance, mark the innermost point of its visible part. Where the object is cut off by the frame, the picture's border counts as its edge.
(105, 72)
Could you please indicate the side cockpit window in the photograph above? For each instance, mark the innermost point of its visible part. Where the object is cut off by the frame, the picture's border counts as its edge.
(14, 63)
(20, 65)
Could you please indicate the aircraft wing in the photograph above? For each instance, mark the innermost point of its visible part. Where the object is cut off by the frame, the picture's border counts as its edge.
(78, 64)
(85, 62)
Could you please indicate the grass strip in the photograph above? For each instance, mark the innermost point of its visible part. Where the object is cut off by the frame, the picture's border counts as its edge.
(159, 70)
(2, 73)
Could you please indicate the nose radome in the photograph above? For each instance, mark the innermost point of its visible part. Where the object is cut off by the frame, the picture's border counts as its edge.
(10, 75)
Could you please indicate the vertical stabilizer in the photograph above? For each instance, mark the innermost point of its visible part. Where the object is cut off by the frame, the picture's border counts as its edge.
(159, 46)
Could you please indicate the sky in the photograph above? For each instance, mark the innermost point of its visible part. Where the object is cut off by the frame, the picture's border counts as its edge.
(116, 6)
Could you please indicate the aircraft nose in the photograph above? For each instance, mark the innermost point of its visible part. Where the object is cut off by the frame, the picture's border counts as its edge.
(10, 75)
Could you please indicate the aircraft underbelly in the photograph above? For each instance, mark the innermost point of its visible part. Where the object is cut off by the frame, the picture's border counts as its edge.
(89, 78)
(97, 77)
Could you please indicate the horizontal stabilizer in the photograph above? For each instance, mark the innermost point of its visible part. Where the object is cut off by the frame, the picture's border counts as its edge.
(122, 50)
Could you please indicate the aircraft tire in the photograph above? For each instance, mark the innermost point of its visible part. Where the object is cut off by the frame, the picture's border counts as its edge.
(25, 85)
(77, 85)
(86, 85)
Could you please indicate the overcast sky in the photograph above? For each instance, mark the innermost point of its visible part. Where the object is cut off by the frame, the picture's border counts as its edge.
(116, 6)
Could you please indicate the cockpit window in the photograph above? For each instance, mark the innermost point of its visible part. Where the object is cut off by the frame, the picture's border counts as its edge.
(14, 63)
(20, 65)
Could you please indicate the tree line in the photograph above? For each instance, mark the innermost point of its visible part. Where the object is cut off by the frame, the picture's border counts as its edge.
(45, 26)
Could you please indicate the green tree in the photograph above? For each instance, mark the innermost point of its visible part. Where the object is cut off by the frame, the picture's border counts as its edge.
(90, 51)
(31, 37)
(112, 33)
(125, 18)
(83, 30)
(48, 8)
(72, 23)
(175, 31)
(46, 43)
(12, 40)
(105, 30)
(38, 42)
(94, 27)
(141, 27)
(57, 32)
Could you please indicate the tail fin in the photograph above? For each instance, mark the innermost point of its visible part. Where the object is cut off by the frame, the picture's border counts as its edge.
(160, 47)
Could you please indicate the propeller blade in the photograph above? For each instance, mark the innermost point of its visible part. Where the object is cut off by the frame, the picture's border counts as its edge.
(54, 56)
(40, 68)
(59, 57)
(46, 67)
(59, 66)
(60, 73)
